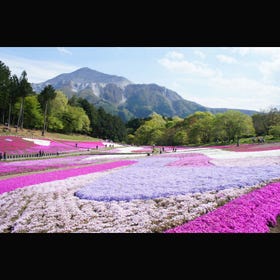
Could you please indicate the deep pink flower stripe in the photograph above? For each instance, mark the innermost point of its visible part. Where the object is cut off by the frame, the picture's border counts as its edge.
(250, 213)
(10, 184)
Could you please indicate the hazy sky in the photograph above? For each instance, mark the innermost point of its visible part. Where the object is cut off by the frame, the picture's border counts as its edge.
(244, 78)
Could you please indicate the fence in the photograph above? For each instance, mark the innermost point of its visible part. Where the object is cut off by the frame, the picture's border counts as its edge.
(11, 157)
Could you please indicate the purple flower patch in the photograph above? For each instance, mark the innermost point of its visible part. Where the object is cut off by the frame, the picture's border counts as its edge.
(151, 177)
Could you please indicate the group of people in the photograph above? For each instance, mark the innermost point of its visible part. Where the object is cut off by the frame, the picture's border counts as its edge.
(3, 155)
(258, 139)
(161, 149)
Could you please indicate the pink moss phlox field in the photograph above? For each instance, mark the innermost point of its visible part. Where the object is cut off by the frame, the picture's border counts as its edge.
(15, 167)
(10, 184)
(249, 147)
(250, 213)
(17, 145)
(81, 145)
(192, 159)
(14, 145)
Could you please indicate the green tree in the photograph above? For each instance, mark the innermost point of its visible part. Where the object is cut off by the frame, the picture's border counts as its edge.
(151, 131)
(264, 120)
(14, 93)
(261, 124)
(57, 107)
(47, 94)
(32, 113)
(235, 124)
(180, 138)
(275, 131)
(75, 120)
(219, 132)
(133, 124)
(199, 127)
(118, 132)
(90, 110)
(25, 89)
(172, 127)
(4, 90)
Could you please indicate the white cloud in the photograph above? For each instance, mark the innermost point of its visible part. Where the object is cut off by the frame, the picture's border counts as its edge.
(37, 70)
(226, 59)
(270, 51)
(175, 55)
(270, 70)
(232, 93)
(172, 63)
(200, 54)
(63, 50)
(245, 93)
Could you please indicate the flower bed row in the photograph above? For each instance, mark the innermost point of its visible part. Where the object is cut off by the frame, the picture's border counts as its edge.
(249, 147)
(15, 167)
(153, 177)
(250, 213)
(18, 145)
(10, 184)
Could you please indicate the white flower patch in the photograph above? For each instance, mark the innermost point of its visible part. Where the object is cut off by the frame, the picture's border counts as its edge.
(220, 154)
(39, 142)
(118, 156)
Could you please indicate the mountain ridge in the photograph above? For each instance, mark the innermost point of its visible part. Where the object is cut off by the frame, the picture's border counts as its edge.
(119, 96)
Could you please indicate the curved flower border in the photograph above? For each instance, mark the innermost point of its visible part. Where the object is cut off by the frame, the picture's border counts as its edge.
(250, 213)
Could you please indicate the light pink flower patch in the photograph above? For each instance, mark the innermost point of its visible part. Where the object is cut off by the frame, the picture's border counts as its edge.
(193, 159)
(249, 147)
(10, 184)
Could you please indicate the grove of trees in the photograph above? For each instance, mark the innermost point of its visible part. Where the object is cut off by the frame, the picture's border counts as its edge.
(203, 128)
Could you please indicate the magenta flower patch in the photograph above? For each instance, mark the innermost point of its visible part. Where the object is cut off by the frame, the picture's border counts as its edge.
(250, 213)
(10, 184)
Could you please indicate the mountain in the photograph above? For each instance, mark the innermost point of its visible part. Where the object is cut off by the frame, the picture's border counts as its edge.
(118, 96)
(82, 79)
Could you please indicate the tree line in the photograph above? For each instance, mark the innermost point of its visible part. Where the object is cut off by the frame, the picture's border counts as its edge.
(203, 128)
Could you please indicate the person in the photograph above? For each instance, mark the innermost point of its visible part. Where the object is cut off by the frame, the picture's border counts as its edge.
(76, 145)
(1, 156)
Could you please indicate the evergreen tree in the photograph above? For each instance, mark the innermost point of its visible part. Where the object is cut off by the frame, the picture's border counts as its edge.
(25, 89)
(47, 94)
(4, 90)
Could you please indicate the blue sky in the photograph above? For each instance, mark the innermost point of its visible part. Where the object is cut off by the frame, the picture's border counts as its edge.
(237, 77)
